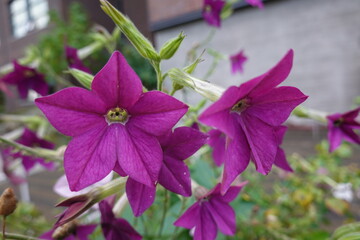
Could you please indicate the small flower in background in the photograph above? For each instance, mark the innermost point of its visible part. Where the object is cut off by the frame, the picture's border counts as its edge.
(211, 211)
(249, 116)
(341, 127)
(73, 59)
(114, 126)
(9, 169)
(237, 62)
(70, 231)
(29, 139)
(26, 78)
(115, 228)
(212, 10)
(255, 3)
(174, 174)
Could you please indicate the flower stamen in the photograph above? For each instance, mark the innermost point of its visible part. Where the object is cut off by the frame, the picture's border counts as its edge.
(240, 106)
(117, 115)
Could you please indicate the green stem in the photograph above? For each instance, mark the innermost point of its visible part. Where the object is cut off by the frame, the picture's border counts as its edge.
(182, 209)
(108, 189)
(316, 115)
(159, 77)
(3, 227)
(38, 152)
(162, 222)
(18, 236)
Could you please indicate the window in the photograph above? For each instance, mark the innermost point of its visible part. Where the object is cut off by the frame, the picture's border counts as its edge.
(27, 15)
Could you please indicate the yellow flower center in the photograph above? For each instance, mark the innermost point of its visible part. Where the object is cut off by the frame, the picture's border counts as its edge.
(117, 115)
(28, 73)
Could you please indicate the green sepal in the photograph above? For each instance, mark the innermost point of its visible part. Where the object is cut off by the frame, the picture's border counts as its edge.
(83, 78)
(170, 47)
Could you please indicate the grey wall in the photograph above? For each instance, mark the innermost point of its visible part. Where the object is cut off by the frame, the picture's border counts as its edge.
(325, 35)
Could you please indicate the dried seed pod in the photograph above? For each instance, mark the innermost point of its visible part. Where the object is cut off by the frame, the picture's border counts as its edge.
(65, 230)
(8, 202)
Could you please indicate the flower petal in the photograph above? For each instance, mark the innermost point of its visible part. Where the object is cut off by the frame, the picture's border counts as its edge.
(237, 158)
(281, 162)
(140, 196)
(205, 227)
(184, 142)
(175, 176)
(232, 192)
(83, 231)
(73, 111)
(217, 142)
(190, 217)
(156, 112)
(275, 107)
(91, 156)
(335, 136)
(262, 141)
(116, 83)
(274, 76)
(223, 215)
(39, 85)
(139, 154)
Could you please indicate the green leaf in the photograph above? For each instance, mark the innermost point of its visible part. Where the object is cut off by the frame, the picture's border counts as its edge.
(345, 230)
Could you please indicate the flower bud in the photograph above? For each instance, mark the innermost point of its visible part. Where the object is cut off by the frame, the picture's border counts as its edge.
(142, 45)
(8, 202)
(83, 77)
(170, 47)
(65, 230)
(191, 68)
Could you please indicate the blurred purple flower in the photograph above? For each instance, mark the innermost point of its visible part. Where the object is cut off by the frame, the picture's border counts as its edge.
(212, 10)
(237, 62)
(9, 171)
(211, 211)
(114, 126)
(116, 228)
(26, 78)
(249, 115)
(70, 231)
(255, 3)
(341, 127)
(73, 59)
(174, 174)
(29, 139)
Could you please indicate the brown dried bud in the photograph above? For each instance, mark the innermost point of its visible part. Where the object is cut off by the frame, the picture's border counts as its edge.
(65, 230)
(8, 202)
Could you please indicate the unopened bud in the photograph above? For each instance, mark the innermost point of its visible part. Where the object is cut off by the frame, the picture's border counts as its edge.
(83, 77)
(170, 47)
(64, 231)
(140, 42)
(191, 68)
(8, 202)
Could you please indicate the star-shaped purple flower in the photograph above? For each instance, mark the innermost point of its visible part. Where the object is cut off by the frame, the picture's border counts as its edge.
(73, 59)
(237, 62)
(212, 10)
(341, 127)
(249, 116)
(174, 174)
(26, 78)
(115, 125)
(71, 231)
(115, 228)
(211, 211)
(255, 3)
(29, 139)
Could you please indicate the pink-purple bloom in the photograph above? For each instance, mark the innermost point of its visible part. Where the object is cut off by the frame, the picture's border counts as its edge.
(211, 212)
(341, 126)
(74, 232)
(237, 62)
(212, 10)
(249, 116)
(255, 3)
(115, 228)
(174, 174)
(114, 126)
(73, 59)
(30, 139)
(26, 78)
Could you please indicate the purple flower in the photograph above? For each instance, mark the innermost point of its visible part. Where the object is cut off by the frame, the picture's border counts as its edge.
(341, 127)
(114, 126)
(29, 139)
(212, 10)
(255, 3)
(212, 211)
(249, 116)
(7, 163)
(174, 174)
(26, 78)
(237, 62)
(73, 59)
(217, 142)
(116, 228)
(70, 231)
